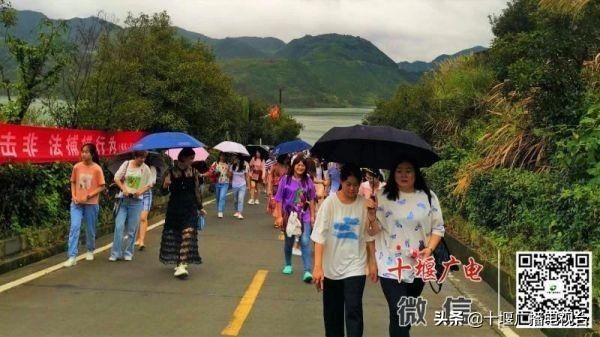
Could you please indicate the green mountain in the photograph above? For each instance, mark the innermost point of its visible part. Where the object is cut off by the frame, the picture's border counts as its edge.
(469, 51)
(236, 47)
(27, 28)
(323, 70)
(417, 68)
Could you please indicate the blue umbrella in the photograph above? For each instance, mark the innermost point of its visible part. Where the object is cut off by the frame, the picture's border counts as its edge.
(290, 147)
(165, 140)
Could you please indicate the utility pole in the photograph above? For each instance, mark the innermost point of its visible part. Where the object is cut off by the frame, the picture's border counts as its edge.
(280, 94)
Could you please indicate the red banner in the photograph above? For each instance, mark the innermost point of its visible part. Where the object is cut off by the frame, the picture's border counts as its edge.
(33, 144)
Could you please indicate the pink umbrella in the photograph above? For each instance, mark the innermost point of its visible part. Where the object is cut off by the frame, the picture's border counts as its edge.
(201, 153)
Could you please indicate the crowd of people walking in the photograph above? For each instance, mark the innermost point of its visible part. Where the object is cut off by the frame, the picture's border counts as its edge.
(347, 223)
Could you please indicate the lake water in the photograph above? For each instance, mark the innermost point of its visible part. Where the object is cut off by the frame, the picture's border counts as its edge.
(317, 121)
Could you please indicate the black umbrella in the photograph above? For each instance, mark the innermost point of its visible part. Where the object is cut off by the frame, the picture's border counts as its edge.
(373, 146)
(263, 149)
(153, 159)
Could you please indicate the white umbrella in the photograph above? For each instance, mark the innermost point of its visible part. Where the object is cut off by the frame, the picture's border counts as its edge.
(232, 147)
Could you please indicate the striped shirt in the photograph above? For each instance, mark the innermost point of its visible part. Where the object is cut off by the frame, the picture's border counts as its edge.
(269, 163)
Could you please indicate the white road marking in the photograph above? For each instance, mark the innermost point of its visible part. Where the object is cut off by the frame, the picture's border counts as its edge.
(38, 274)
(506, 331)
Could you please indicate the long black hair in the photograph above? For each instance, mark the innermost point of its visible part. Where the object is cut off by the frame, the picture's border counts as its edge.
(391, 190)
(240, 165)
(93, 151)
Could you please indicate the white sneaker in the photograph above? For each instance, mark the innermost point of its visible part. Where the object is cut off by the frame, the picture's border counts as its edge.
(70, 262)
(128, 258)
(89, 256)
(220, 215)
(181, 271)
(296, 251)
(251, 202)
(112, 259)
(236, 214)
(256, 202)
(240, 216)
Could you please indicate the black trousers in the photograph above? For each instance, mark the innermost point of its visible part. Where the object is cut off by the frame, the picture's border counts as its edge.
(343, 299)
(393, 291)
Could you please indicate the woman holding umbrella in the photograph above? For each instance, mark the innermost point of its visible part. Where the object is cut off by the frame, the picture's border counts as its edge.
(343, 250)
(179, 242)
(296, 200)
(406, 219)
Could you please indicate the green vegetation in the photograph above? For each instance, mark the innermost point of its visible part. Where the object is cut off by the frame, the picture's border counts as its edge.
(518, 128)
(144, 77)
(324, 70)
(314, 70)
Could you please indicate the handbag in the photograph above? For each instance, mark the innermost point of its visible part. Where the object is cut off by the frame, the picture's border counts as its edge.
(441, 254)
(116, 206)
(293, 227)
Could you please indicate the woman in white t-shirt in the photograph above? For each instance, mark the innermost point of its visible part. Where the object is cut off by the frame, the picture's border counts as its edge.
(133, 178)
(343, 254)
(406, 220)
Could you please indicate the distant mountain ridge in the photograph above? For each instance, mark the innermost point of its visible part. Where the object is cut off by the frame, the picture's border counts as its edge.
(419, 67)
(322, 70)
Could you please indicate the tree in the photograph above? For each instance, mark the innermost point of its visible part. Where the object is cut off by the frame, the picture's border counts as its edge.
(145, 77)
(539, 50)
(38, 65)
(64, 103)
(8, 19)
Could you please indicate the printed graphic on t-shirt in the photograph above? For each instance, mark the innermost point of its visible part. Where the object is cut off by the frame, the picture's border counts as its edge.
(85, 181)
(133, 182)
(347, 229)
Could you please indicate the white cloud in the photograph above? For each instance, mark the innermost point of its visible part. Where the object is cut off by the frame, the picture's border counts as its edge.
(403, 29)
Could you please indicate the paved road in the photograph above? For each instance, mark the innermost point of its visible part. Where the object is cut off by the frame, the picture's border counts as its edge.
(142, 298)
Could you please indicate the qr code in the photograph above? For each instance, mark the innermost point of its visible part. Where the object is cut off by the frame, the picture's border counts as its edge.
(554, 290)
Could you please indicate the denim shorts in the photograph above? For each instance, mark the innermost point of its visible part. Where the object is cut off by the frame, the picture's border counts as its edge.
(147, 201)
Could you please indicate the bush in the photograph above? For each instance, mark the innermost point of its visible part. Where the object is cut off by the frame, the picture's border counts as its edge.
(34, 196)
(508, 200)
(39, 196)
(441, 179)
(579, 218)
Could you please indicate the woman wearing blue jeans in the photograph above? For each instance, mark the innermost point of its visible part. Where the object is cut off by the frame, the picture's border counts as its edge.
(87, 181)
(133, 178)
(296, 194)
(221, 169)
(239, 176)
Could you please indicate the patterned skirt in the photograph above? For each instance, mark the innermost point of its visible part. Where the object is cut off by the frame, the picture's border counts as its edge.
(179, 246)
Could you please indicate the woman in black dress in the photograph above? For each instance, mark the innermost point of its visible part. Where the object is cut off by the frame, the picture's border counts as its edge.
(179, 243)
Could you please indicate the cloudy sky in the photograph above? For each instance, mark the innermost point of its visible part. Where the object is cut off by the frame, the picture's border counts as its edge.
(406, 30)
